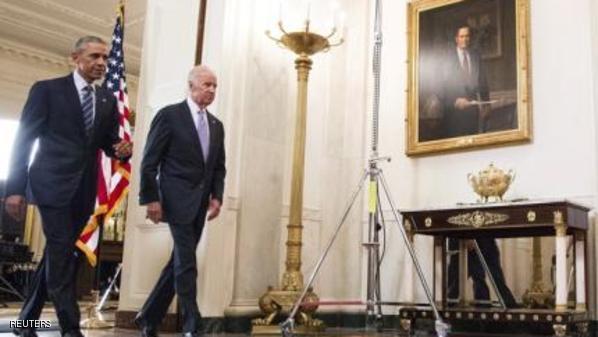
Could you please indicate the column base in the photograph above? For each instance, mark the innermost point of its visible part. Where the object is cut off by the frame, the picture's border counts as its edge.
(275, 303)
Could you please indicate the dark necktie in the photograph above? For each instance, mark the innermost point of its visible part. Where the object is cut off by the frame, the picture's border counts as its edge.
(202, 131)
(87, 107)
(466, 65)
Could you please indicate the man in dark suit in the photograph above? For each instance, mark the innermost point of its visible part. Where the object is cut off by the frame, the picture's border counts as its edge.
(182, 181)
(71, 119)
(465, 88)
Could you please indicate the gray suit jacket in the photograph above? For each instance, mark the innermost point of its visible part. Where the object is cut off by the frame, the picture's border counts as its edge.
(456, 83)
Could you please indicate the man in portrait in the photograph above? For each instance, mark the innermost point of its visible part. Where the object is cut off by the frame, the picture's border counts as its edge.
(465, 93)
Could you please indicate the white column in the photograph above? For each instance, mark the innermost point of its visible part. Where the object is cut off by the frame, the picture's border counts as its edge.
(561, 262)
(580, 273)
(462, 270)
(438, 270)
(168, 54)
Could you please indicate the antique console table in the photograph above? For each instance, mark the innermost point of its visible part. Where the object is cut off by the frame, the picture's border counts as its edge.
(558, 218)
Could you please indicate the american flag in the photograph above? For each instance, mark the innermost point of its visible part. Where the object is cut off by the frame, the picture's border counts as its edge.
(113, 176)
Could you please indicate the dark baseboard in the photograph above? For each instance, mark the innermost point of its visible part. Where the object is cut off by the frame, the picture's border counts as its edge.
(480, 328)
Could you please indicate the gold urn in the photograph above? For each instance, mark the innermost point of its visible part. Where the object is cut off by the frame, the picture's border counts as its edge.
(491, 183)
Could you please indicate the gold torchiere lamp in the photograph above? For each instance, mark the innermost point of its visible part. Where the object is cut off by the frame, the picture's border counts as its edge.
(304, 43)
(538, 295)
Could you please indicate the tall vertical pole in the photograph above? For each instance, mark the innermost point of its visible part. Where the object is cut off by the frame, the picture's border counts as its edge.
(373, 245)
(292, 278)
(376, 67)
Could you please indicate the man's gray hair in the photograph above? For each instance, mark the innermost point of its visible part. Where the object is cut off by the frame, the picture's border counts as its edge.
(197, 71)
(82, 42)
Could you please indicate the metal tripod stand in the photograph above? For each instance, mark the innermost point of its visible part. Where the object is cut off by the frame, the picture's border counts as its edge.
(376, 178)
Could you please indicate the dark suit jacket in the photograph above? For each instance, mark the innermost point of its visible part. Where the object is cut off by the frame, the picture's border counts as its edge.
(456, 84)
(173, 170)
(65, 155)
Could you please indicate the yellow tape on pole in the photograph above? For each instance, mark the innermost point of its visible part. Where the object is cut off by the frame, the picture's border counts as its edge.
(373, 202)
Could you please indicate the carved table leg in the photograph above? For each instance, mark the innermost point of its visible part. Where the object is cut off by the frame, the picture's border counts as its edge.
(580, 272)
(406, 328)
(561, 262)
(582, 329)
(560, 330)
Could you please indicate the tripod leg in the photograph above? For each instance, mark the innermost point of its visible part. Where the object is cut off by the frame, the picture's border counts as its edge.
(9, 288)
(489, 273)
(442, 328)
(287, 325)
(107, 292)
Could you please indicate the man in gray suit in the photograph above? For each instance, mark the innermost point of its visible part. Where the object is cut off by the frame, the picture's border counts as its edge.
(182, 181)
(464, 88)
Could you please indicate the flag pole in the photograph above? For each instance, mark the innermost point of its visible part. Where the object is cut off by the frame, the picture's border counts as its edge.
(95, 319)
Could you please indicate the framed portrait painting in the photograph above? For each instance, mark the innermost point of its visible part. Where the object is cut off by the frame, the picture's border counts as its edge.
(469, 74)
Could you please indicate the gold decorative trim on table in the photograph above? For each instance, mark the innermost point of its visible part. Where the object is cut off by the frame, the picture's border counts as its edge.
(477, 219)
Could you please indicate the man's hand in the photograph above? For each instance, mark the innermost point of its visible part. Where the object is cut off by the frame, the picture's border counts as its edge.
(214, 209)
(462, 103)
(123, 149)
(16, 207)
(485, 111)
(154, 211)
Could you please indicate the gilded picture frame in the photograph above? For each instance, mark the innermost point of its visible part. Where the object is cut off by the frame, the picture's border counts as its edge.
(469, 81)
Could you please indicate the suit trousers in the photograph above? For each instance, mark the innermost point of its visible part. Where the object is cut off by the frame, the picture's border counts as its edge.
(57, 271)
(476, 271)
(178, 276)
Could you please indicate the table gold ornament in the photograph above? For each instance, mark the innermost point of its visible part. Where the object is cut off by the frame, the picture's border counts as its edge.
(491, 183)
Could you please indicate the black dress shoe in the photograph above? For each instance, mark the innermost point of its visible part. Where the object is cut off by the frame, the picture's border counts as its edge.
(25, 332)
(147, 331)
(73, 333)
(139, 321)
(192, 334)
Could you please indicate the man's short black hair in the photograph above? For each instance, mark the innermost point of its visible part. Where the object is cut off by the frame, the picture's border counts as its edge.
(459, 27)
(83, 41)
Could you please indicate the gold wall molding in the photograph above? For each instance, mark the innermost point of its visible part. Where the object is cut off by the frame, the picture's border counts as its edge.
(33, 55)
(52, 30)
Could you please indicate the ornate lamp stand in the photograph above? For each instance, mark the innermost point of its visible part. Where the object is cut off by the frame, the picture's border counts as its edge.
(279, 301)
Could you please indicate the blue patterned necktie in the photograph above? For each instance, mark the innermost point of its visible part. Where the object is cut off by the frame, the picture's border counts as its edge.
(202, 131)
(87, 107)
